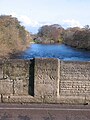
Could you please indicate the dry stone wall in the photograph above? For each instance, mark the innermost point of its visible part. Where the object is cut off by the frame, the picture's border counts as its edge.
(44, 81)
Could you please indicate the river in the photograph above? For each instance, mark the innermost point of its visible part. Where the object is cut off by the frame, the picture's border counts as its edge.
(60, 51)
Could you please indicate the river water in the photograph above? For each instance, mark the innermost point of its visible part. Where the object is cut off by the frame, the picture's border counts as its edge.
(61, 51)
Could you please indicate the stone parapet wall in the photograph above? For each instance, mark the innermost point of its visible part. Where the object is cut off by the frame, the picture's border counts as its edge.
(14, 77)
(44, 81)
(75, 81)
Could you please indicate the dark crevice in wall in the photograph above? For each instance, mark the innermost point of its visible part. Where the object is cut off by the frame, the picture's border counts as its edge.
(31, 78)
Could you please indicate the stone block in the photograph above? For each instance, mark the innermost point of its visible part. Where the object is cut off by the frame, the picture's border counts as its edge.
(19, 99)
(26, 87)
(71, 100)
(46, 79)
(75, 70)
(18, 87)
(16, 69)
(6, 87)
(75, 79)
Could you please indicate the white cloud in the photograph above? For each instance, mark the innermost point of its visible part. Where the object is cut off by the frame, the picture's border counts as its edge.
(13, 14)
(25, 20)
(72, 23)
(28, 21)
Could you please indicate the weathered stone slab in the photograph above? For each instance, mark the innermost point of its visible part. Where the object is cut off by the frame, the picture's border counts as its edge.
(75, 79)
(6, 87)
(18, 87)
(75, 70)
(71, 100)
(16, 69)
(19, 99)
(46, 79)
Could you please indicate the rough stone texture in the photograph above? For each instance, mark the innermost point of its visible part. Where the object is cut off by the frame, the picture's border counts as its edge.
(18, 71)
(6, 87)
(1, 70)
(18, 87)
(19, 99)
(72, 100)
(75, 80)
(46, 79)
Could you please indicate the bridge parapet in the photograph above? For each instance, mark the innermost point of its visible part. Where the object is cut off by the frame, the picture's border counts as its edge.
(44, 80)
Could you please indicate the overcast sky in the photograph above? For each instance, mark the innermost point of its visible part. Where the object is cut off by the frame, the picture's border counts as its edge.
(35, 13)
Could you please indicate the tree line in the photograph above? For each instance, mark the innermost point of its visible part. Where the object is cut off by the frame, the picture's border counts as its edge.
(76, 37)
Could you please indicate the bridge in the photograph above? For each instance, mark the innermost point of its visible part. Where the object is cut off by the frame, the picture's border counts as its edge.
(44, 80)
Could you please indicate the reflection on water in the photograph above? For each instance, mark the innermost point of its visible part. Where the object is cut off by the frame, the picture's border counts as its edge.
(62, 52)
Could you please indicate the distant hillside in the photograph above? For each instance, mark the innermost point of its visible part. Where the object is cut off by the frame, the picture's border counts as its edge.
(13, 37)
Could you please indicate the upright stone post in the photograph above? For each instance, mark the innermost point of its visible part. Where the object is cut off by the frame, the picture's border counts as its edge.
(46, 84)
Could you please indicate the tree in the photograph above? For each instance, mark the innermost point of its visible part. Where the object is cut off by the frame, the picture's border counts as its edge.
(13, 36)
(51, 33)
(76, 37)
(86, 27)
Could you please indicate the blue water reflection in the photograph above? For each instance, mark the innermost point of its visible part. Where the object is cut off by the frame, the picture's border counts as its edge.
(62, 52)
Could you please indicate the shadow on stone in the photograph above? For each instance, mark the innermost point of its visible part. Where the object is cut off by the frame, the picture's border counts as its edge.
(31, 78)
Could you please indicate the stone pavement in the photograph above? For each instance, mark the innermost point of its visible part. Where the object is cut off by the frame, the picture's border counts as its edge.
(44, 112)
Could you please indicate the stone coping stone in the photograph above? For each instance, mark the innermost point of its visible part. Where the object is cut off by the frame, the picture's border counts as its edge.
(71, 100)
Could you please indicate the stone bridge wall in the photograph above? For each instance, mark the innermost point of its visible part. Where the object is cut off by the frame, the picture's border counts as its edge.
(44, 81)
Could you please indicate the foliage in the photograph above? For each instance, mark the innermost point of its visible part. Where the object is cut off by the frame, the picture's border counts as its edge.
(76, 37)
(50, 34)
(79, 38)
(13, 36)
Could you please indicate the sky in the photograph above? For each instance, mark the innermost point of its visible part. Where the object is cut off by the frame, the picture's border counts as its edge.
(36, 13)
